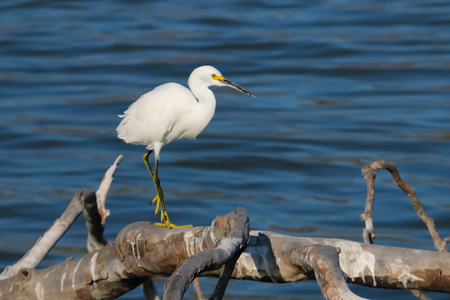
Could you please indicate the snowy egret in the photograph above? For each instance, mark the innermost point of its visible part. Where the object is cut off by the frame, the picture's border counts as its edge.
(171, 112)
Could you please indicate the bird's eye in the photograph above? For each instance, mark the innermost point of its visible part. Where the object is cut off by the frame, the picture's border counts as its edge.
(214, 76)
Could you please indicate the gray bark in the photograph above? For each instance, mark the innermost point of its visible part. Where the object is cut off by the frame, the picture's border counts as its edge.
(142, 250)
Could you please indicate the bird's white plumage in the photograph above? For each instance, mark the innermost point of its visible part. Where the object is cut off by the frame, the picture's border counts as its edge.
(171, 111)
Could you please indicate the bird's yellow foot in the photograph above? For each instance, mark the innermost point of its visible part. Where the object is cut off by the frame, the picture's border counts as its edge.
(158, 201)
(170, 225)
(164, 215)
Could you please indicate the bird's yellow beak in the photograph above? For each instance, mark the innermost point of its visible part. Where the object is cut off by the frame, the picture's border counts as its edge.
(217, 77)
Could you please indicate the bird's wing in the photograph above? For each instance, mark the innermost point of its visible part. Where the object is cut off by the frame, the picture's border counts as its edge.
(154, 114)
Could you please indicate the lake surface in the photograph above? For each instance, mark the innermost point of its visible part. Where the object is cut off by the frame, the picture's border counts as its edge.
(337, 84)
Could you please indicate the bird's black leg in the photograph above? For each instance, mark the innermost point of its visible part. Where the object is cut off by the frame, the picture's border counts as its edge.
(147, 164)
(159, 199)
(149, 168)
(162, 202)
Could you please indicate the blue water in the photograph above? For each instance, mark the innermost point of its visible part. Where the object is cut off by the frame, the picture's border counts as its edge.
(338, 84)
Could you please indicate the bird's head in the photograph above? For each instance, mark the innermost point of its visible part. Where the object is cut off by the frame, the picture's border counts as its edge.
(211, 76)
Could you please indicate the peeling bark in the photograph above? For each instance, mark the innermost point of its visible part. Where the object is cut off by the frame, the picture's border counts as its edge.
(324, 261)
(226, 253)
(142, 250)
(269, 258)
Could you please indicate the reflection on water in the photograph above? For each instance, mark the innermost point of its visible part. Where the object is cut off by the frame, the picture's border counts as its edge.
(337, 85)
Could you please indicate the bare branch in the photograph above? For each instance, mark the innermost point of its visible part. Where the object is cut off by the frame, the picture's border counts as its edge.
(324, 261)
(369, 172)
(227, 251)
(198, 290)
(236, 244)
(95, 212)
(53, 234)
(419, 295)
(149, 289)
(268, 258)
(369, 176)
(142, 250)
(95, 239)
(104, 187)
(85, 201)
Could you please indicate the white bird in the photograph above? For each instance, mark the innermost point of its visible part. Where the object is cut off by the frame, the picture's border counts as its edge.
(171, 112)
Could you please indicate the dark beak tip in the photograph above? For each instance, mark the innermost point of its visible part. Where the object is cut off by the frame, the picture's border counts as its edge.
(249, 93)
(237, 87)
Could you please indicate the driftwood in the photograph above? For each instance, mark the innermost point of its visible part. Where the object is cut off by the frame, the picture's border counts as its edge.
(369, 172)
(226, 249)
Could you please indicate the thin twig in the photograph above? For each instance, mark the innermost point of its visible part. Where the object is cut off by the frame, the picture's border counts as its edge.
(149, 289)
(369, 176)
(198, 290)
(419, 295)
(95, 228)
(104, 187)
(45, 243)
(369, 172)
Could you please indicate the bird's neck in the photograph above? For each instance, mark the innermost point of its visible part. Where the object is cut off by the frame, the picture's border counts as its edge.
(203, 94)
(206, 101)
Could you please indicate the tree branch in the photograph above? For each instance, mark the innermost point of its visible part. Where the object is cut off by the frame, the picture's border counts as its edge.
(104, 187)
(324, 261)
(142, 250)
(227, 252)
(53, 234)
(95, 212)
(369, 172)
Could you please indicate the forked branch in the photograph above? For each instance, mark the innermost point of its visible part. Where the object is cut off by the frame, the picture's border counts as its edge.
(369, 172)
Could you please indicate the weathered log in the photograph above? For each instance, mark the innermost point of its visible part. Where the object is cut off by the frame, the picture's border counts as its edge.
(143, 250)
(269, 257)
(226, 253)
